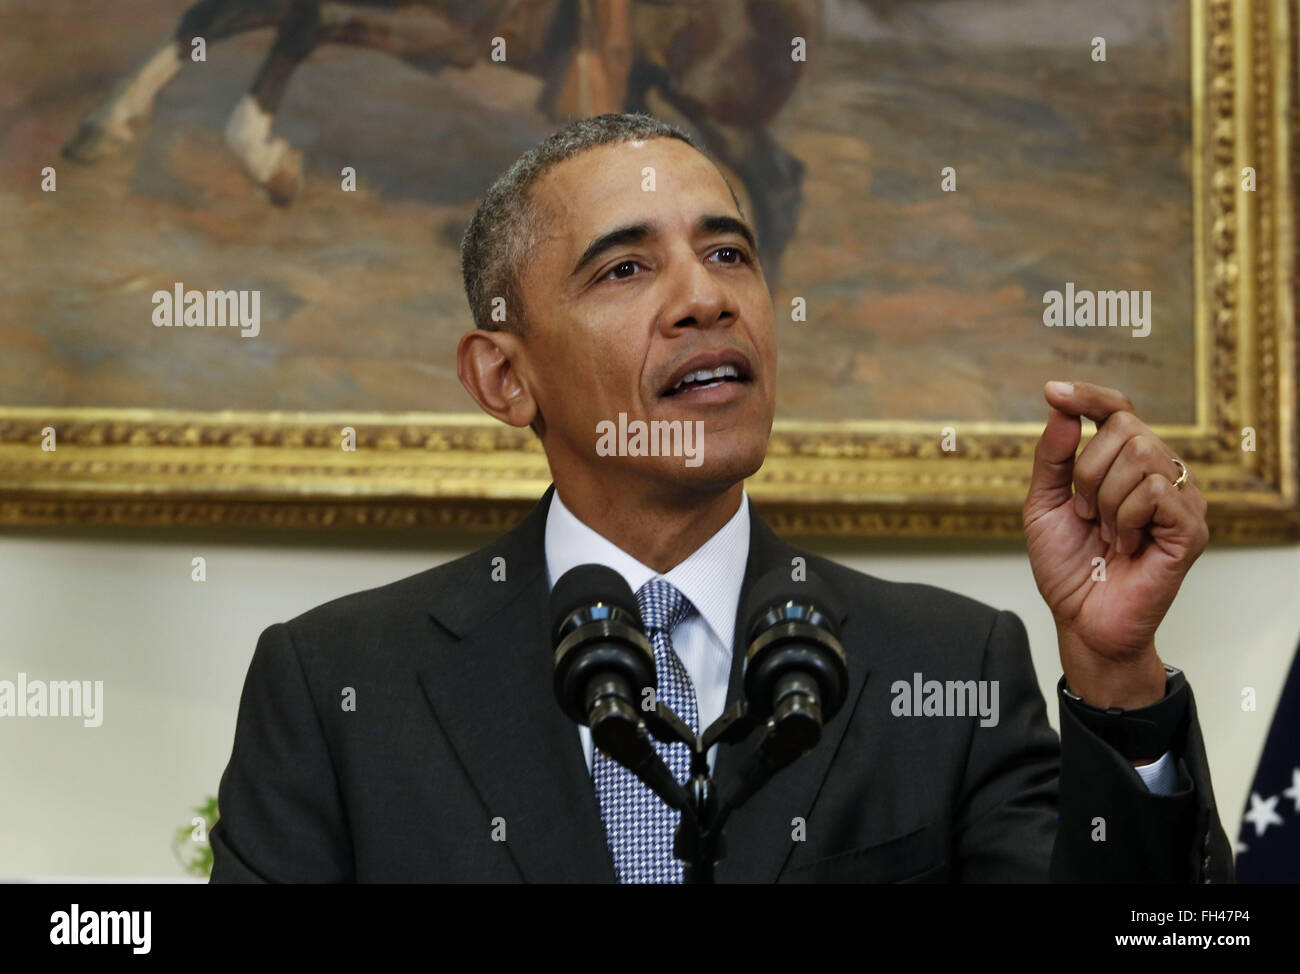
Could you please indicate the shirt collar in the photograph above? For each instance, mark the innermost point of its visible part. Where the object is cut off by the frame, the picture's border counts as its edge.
(711, 576)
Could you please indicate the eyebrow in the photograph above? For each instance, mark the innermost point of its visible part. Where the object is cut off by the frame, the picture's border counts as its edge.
(637, 232)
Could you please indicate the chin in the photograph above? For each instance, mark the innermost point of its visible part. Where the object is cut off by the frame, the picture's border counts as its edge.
(722, 467)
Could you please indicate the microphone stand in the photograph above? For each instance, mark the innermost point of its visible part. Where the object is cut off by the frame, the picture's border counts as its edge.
(791, 731)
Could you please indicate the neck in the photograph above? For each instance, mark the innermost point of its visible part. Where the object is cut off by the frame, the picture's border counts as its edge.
(657, 531)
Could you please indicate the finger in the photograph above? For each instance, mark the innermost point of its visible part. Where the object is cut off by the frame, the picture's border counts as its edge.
(1194, 495)
(1141, 456)
(1191, 492)
(1100, 455)
(1049, 483)
(1086, 399)
(1156, 502)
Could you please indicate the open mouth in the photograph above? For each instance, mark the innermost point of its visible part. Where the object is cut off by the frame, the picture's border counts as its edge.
(701, 379)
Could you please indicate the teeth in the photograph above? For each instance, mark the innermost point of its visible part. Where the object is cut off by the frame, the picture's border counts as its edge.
(705, 375)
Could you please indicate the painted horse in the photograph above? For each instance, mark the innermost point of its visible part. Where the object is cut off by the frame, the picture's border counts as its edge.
(726, 67)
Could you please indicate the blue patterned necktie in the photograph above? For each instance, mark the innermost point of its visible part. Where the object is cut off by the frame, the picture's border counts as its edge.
(639, 827)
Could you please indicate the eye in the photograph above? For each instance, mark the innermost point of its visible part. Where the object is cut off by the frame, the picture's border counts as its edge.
(616, 268)
(740, 257)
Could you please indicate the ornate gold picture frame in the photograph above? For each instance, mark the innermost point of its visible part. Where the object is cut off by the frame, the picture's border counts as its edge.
(851, 477)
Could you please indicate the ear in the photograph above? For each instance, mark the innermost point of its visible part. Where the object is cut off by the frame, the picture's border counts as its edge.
(485, 363)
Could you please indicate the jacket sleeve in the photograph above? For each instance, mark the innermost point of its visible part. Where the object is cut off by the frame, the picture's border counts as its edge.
(1113, 830)
(281, 818)
(1073, 809)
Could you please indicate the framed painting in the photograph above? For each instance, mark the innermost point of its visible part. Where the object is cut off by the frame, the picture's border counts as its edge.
(955, 202)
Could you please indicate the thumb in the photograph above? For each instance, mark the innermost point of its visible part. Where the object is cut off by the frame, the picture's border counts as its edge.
(1049, 485)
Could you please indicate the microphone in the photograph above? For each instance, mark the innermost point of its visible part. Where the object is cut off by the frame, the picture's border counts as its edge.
(603, 661)
(604, 664)
(796, 674)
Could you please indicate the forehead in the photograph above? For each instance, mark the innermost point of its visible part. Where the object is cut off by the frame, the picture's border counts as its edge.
(606, 186)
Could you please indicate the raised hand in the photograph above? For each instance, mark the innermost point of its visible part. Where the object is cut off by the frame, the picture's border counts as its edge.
(1117, 500)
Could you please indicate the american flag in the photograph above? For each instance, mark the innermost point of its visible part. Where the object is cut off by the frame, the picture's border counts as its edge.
(1268, 846)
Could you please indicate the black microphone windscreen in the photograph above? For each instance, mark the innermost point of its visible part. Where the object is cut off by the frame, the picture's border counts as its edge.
(588, 584)
(777, 587)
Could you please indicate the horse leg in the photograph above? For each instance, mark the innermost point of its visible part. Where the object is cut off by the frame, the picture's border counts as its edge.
(726, 68)
(273, 162)
(412, 33)
(640, 80)
(108, 126)
(772, 177)
(774, 180)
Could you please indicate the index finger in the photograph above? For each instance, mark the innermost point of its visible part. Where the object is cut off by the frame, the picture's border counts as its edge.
(1086, 399)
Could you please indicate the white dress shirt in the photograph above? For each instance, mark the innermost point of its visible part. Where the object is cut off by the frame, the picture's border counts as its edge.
(710, 578)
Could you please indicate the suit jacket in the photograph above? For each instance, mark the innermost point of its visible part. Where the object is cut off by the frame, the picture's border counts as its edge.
(457, 765)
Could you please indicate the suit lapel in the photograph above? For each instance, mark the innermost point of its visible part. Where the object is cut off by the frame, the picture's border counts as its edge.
(758, 835)
(491, 694)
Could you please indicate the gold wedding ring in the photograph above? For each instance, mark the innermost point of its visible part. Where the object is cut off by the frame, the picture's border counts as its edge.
(1182, 478)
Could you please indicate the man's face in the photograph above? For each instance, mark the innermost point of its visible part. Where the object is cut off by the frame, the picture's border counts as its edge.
(615, 319)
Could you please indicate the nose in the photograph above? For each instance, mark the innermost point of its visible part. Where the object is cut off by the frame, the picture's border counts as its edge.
(699, 298)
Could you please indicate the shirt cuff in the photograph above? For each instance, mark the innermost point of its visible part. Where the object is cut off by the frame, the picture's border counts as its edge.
(1161, 777)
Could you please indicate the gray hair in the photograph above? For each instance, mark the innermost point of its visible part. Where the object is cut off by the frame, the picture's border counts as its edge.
(506, 226)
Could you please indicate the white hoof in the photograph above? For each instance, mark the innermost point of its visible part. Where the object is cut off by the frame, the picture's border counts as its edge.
(248, 133)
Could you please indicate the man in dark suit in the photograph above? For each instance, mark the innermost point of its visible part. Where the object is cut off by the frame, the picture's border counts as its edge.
(409, 733)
